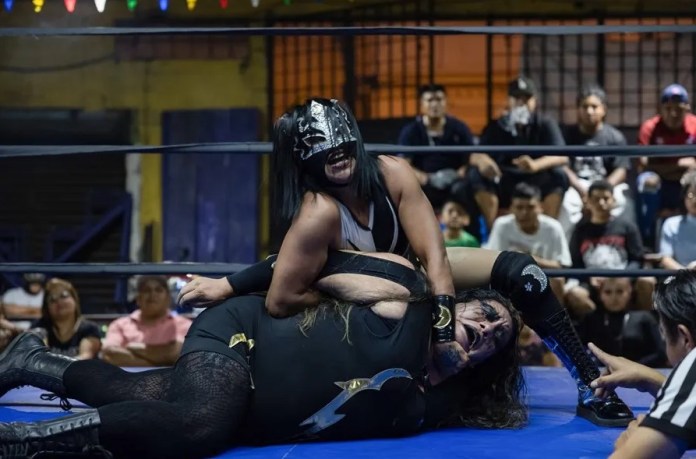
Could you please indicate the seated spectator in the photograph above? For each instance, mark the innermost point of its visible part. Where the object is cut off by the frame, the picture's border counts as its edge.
(522, 124)
(8, 331)
(454, 218)
(533, 351)
(25, 301)
(150, 336)
(62, 326)
(618, 329)
(603, 241)
(441, 175)
(528, 231)
(591, 130)
(678, 235)
(659, 180)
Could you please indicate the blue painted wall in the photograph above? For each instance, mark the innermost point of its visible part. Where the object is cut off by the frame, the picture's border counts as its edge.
(210, 201)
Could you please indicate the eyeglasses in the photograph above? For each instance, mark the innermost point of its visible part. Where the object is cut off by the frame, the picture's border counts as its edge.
(61, 295)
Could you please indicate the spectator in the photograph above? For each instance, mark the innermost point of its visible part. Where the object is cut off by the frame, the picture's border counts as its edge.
(526, 230)
(521, 124)
(150, 336)
(618, 330)
(678, 235)
(658, 183)
(440, 174)
(8, 331)
(591, 130)
(454, 218)
(25, 301)
(62, 326)
(603, 242)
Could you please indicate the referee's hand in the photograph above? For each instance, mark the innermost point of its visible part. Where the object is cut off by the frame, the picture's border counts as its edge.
(621, 372)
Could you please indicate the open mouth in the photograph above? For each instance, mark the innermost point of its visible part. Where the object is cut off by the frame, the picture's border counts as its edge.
(472, 336)
(337, 157)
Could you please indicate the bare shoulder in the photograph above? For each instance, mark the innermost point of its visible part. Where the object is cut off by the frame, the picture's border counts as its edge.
(318, 210)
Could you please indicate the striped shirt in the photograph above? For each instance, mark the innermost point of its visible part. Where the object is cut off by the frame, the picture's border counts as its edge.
(674, 410)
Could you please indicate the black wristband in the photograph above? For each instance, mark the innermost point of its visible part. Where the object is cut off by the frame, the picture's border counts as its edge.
(255, 278)
(443, 318)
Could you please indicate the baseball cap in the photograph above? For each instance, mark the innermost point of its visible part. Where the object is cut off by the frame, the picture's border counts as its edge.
(522, 87)
(675, 92)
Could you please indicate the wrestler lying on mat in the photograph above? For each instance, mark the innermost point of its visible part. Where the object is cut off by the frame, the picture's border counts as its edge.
(340, 371)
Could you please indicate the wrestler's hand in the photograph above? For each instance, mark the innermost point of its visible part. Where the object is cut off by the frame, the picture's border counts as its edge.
(202, 292)
(622, 372)
(630, 430)
(449, 359)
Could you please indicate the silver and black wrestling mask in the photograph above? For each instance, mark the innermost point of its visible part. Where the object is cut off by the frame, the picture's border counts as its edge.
(322, 129)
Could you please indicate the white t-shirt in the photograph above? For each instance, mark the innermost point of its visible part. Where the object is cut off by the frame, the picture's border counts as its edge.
(20, 297)
(678, 238)
(548, 242)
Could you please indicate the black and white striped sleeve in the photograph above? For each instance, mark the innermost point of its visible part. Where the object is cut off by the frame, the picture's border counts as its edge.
(674, 410)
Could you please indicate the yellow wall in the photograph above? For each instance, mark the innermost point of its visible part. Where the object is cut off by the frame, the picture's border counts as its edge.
(147, 88)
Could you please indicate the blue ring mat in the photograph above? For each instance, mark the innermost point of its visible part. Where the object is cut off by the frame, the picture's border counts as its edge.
(553, 430)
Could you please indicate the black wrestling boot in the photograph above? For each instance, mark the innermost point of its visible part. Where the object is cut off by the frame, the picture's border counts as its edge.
(560, 336)
(27, 362)
(69, 436)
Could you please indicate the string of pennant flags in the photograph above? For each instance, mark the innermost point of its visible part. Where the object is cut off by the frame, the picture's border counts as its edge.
(100, 5)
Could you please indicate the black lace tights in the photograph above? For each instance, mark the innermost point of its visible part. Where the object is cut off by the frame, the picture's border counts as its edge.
(190, 410)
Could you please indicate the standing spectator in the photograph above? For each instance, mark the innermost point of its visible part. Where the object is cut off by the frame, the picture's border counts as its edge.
(521, 124)
(454, 218)
(442, 175)
(678, 235)
(150, 336)
(62, 326)
(603, 242)
(619, 330)
(658, 183)
(25, 301)
(591, 130)
(528, 231)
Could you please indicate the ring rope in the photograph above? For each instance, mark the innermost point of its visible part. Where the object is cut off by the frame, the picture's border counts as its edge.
(352, 31)
(9, 151)
(130, 269)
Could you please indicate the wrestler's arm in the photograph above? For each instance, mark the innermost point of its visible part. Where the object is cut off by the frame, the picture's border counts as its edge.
(302, 256)
(419, 223)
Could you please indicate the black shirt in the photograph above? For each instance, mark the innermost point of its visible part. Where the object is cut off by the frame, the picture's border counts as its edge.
(455, 132)
(596, 167)
(365, 384)
(540, 131)
(631, 334)
(71, 348)
(614, 245)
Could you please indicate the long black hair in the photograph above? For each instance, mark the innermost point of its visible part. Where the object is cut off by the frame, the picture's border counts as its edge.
(291, 180)
(675, 302)
(490, 394)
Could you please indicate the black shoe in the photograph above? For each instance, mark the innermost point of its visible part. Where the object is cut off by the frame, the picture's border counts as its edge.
(607, 412)
(27, 362)
(70, 436)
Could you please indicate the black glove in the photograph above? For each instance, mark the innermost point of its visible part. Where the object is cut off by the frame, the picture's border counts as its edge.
(443, 319)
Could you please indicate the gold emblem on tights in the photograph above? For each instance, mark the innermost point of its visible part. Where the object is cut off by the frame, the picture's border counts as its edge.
(444, 318)
(241, 338)
(353, 385)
